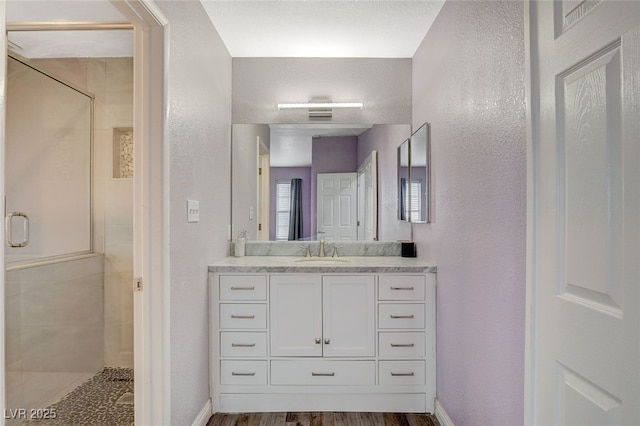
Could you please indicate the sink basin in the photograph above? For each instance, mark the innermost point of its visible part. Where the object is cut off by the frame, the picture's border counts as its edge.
(323, 260)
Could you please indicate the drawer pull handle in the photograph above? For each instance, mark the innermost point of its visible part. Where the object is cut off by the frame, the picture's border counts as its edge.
(318, 341)
(243, 345)
(327, 341)
(323, 374)
(243, 288)
(403, 374)
(402, 316)
(402, 288)
(233, 373)
(402, 345)
(243, 316)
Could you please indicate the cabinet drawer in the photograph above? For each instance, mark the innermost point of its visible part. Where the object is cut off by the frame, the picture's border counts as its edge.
(402, 372)
(243, 372)
(238, 343)
(401, 287)
(243, 315)
(243, 287)
(401, 315)
(401, 345)
(323, 372)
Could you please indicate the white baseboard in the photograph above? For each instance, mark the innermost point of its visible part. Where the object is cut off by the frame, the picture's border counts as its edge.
(204, 415)
(441, 415)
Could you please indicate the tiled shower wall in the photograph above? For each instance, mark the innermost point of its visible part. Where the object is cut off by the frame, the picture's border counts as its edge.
(54, 328)
(111, 81)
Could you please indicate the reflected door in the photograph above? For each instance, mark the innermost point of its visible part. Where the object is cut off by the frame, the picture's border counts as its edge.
(337, 204)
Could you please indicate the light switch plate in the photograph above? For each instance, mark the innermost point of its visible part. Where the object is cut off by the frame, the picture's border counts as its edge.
(193, 211)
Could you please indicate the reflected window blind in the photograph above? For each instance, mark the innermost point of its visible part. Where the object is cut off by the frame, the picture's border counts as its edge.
(283, 206)
(413, 203)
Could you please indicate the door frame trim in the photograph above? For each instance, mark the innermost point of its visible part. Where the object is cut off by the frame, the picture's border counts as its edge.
(152, 396)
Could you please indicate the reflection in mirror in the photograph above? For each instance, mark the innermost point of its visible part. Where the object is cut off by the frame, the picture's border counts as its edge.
(404, 206)
(419, 174)
(306, 163)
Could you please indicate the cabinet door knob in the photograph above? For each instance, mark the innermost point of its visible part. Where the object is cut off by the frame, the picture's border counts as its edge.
(318, 341)
(327, 341)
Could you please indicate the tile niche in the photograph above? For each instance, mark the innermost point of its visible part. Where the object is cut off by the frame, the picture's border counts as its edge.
(123, 152)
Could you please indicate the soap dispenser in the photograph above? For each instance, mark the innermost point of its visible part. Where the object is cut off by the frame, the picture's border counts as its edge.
(239, 244)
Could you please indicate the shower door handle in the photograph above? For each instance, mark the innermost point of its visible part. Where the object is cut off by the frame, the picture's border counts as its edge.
(7, 225)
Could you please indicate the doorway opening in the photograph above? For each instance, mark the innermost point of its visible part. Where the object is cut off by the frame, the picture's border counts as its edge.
(69, 302)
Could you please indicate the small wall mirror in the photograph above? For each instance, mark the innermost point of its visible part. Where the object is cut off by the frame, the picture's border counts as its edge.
(413, 177)
(419, 174)
(403, 182)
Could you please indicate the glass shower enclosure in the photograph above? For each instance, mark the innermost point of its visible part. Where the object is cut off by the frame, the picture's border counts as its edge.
(54, 330)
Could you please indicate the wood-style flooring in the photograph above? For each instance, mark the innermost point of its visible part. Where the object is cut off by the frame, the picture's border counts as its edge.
(323, 419)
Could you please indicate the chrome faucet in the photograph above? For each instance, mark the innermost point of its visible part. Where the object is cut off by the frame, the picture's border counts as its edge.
(321, 250)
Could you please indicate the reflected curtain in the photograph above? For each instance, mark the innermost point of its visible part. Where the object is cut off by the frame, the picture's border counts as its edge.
(403, 198)
(295, 215)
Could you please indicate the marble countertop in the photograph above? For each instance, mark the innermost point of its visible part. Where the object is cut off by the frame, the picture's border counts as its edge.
(291, 264)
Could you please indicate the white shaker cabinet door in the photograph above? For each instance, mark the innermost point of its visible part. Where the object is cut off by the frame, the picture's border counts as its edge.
(296, 315)
(349, 316)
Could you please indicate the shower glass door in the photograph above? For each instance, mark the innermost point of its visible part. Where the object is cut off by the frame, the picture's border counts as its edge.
(48, 166)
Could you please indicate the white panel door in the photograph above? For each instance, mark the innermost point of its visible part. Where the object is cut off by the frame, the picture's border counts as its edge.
(349, 317)
(337, 197)
(295, 303)
(584, 217)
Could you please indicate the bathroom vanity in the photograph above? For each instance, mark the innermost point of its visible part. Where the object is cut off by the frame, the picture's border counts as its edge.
(313, 334)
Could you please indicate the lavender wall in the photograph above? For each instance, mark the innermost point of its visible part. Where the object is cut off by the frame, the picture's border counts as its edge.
(385, 139)
(331, 155)
(468, 81)
(278, 173)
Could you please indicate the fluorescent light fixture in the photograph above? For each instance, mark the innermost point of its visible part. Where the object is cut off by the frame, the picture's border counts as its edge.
(320, 105)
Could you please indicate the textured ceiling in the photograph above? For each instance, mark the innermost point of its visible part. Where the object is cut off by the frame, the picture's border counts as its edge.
(327, 28)
(265, 28)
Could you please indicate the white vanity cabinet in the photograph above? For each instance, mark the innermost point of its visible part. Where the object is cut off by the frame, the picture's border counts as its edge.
(325, 340)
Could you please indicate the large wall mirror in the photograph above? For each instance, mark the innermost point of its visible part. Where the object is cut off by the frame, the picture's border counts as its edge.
(307, 181)
(414, 177)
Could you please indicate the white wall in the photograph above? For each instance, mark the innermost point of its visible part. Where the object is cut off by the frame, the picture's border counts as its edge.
(468, 82)
(199, 137)
(384, 85)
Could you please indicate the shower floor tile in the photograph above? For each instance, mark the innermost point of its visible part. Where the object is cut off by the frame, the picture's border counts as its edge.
(95, 402)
